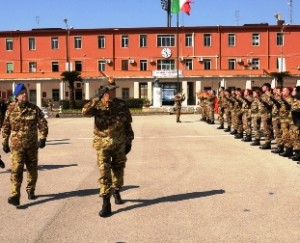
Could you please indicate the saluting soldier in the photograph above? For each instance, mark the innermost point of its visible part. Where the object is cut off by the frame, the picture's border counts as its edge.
(22, 122)
(221, 107)
(295, 126)
(178, 99)
(228, 109)
(238, 113)
(246, 115)
(256, 117)
(113, 137)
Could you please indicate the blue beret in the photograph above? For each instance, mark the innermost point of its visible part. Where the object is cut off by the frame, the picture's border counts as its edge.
(19, 87)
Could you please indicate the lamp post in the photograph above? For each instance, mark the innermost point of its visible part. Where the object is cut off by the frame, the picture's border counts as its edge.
(67, 45)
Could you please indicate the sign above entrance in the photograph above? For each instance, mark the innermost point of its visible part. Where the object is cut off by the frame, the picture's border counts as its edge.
(166, 73)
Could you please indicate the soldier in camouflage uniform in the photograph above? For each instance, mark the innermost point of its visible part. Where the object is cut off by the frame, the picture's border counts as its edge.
(246, 117)
(221, 107)
(22, 122)
(2, 114)
(113, 136)
(178, 99)
(202, 96)
(211, 107)
(228, 109)
(256, 117)
(286, 121)
(238, 113)
(295, 126)
(265, 110)
(276, 98)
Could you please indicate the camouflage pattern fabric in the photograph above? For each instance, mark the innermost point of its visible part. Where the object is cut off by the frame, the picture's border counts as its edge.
(294, 130)
(178, 99)
(285, 122)
(112, 131)
(276, 121)
(20, 132)
(255, 118)
(246, 116)
(266, 116)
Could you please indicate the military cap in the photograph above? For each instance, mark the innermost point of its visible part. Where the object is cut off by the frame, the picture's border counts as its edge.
(109, 82)
(19, 88)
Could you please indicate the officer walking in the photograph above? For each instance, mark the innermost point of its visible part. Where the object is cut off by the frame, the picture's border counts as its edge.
(178, 99)
(113, 137)
(21, 124)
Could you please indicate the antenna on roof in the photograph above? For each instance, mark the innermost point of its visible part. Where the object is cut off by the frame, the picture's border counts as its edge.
(37, 20)
(237, 16)
(290, 3)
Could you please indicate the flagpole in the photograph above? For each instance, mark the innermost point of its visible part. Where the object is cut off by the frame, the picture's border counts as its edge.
(177, 45)
(169, 14)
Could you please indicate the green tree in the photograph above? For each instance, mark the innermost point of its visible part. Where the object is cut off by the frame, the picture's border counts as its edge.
(279, 76)
(71, 77)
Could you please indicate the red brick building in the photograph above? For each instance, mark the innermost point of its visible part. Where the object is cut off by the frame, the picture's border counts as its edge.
(194, 58)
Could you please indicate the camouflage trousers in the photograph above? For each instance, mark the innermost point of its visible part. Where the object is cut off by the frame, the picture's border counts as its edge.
(256, 121)
(285, 129)
(178, 113)
(228, 116)
(204, 113)
(266, 122)
(238, 121)
(111, 163)
(20, 158)
(247, 123)
(221, 114)
(211, 113)
(295, 137)
(277, 130)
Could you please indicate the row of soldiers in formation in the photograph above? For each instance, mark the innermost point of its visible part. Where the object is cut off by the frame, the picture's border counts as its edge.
(251, 114)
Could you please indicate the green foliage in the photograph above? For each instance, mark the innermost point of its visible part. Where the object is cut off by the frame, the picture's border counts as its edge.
(80, 103)
(71, 76)
(65, 104)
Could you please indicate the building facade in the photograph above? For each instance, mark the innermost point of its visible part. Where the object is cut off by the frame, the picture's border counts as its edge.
(188, 58)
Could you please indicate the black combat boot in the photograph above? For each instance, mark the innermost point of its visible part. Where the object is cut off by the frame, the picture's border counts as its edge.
(233, 132)
(247, 138)
(296, 156)
(106, 207)
(14, 200)
(278, 150)
(287, 153)
(238, 135)
(220, 127)
(31, 196)
(227, 129)
(256, 142)
(117, 196)
(267, 145)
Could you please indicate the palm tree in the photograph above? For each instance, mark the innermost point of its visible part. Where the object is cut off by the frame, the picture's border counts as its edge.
(71, 77)
(279, 76)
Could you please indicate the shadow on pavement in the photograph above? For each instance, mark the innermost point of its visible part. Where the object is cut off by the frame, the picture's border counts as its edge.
(172, 198)
(64, 195)
(44, 167)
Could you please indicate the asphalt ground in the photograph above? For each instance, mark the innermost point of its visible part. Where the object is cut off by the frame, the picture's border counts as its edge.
(184, 182)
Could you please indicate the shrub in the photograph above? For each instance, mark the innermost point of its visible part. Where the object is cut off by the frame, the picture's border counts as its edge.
(136, 103)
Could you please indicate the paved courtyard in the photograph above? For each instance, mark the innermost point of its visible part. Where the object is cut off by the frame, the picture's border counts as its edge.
(186, 182)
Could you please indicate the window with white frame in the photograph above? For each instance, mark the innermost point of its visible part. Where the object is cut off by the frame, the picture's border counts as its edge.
(255, 39)
(280, 39)
(231, 64)
(207, 39)
(188, 63)
(101, 65)
(32, 67)
(31, 43)
(9, 67)
(207, 64)
(101, 42)
(188, 40)
(125, 93)
(55, 67)
(165, 40)
(255, 63)
(231, 40)
(125, 41)
(78, 66)
(54, 43)
(9, 44)
(77, 42)
(165, 64)
(143, 65)
(143, 40)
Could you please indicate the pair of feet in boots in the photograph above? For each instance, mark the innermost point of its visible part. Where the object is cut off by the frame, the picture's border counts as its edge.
(106, 206)
(15, 200)
(288, 152)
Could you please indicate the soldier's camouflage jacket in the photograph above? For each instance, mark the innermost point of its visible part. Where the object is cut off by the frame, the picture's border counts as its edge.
(112, 124)
(21, 125)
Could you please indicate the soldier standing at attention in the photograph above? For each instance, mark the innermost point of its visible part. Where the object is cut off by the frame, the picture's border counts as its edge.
(21, 124)
(255, 117)
(228, 108)
(178, 100)
(265, 110)
(221, 107)
(246, 117)
(113, 136)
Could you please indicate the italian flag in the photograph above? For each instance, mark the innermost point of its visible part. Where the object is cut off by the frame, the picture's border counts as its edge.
(181, 5)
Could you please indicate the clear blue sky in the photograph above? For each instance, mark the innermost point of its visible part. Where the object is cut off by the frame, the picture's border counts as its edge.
(85, 14)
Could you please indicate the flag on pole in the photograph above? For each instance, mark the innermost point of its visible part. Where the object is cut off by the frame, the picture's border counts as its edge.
(181, 5)
(164, 4)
